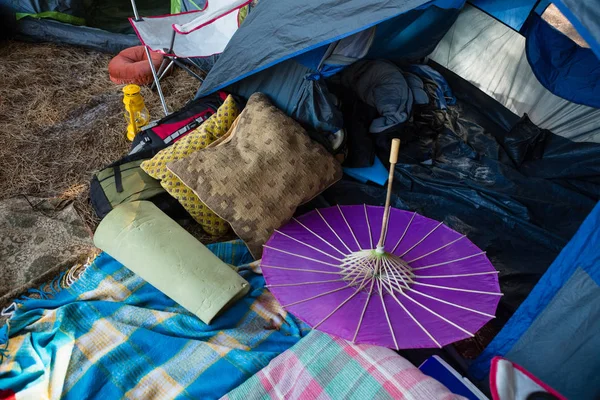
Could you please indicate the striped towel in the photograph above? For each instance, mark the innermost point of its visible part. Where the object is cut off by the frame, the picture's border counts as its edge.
(320, 367)
(111, 335)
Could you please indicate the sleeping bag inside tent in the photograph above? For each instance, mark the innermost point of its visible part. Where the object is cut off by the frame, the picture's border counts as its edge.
(497, 112)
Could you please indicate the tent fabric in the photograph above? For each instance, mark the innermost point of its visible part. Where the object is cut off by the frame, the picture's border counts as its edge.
(562, 66)
(492, 57)
(275, 34)
(295, 85)
(413, 35)
(513, 13)
(564, 309)
(306, 100)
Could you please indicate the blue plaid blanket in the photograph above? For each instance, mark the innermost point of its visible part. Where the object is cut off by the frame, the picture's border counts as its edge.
(111, 335)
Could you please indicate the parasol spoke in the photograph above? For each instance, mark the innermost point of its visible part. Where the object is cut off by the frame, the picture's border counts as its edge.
(358, 271)
(438, 249)
(387, 263)
(334, 232)
(391, 292)
(314, 297)
(404, 234)
(321, 238)
(458, 289)
(303, 270)
(406, 270)
(362, 314)
(349, 227)
(368, 226)
(422, 239)
(456, 275)
(304, 283)
(301, 256)
(362, 285)
(448, 262)
(308, 245)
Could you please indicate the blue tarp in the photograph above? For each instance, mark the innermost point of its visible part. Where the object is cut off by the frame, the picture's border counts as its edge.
(554, 333)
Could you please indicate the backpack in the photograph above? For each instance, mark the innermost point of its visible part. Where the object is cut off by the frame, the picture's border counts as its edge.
(124, 181)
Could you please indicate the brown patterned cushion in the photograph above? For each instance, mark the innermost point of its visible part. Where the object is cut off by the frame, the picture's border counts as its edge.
(257, 178)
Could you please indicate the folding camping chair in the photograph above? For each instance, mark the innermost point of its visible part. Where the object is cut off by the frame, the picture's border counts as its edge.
(186, 35)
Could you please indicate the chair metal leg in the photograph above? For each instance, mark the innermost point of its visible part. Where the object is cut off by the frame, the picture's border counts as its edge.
(157, 82)
(188, 70)
(163, 71)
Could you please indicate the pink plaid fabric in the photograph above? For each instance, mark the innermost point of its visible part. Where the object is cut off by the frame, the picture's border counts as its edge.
(321, 367)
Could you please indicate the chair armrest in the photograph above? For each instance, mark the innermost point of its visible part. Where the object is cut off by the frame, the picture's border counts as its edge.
(214, 10)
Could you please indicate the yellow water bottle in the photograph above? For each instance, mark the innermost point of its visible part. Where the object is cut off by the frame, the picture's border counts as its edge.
(136, 113)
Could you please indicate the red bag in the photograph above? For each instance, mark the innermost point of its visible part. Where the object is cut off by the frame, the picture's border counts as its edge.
(166, 131)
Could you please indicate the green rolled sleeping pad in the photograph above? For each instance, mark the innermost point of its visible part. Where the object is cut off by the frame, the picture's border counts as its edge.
(145, 240)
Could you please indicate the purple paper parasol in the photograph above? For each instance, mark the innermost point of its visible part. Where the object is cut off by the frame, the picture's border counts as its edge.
(430, 287)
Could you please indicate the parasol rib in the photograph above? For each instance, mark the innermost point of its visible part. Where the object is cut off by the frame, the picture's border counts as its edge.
(303, 270)
(404, 234)
(449, 262)
(387, 316)
(391, 292)
(437, 315)
(431, 311)
(457, 289)
(304, 283)
(368, 226)
(334, 232)
(400, 288)
(436, 250)
(422, 239)
(322, 239)
(362, 314)
(301, 256)
(315, 297)
(349, 227)
(308, 245)
(456, 275)
(450, 303)
(362, 285)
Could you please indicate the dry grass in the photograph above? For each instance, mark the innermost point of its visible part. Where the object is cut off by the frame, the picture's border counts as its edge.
(61, 119)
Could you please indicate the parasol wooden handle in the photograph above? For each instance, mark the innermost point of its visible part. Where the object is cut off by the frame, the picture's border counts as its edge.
(386, 214)
(394, 151)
